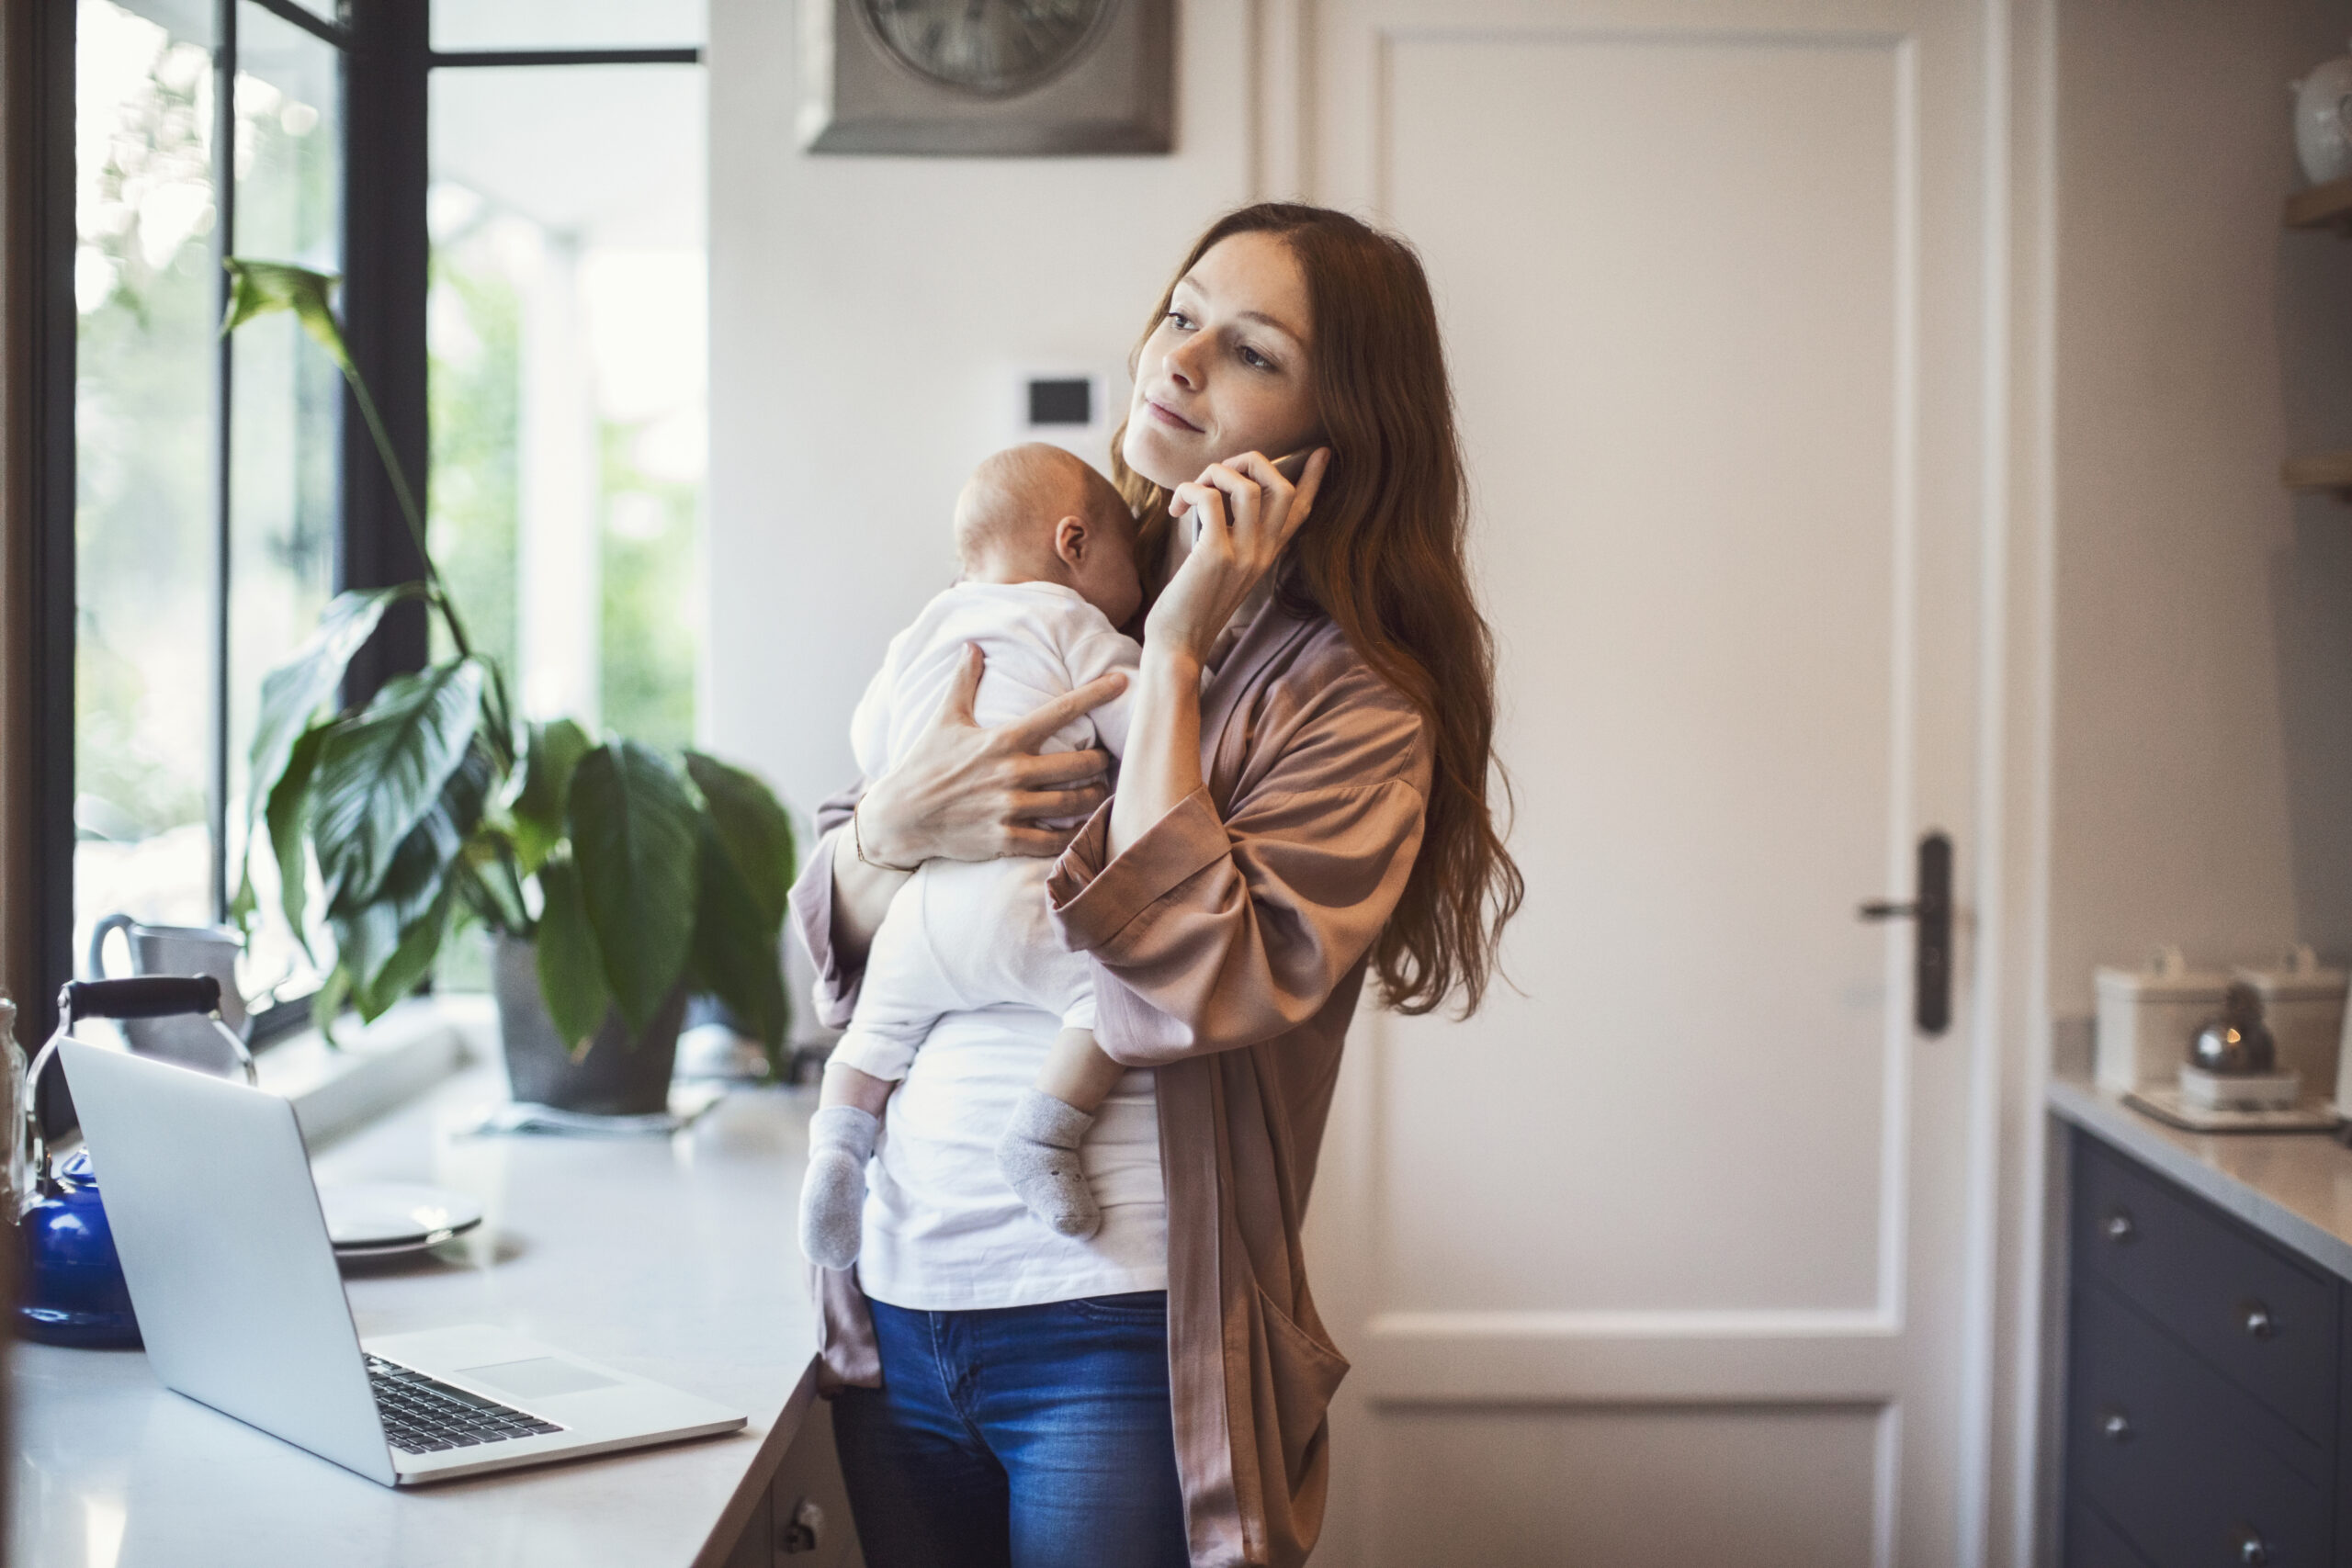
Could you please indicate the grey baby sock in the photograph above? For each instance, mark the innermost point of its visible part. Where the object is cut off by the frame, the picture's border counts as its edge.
(1038, 1155)
(833, 1199)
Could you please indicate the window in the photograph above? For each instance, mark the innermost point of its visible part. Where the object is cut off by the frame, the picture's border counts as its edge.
(216, 499)
(206, 478)
(285, 420)
(566, 326)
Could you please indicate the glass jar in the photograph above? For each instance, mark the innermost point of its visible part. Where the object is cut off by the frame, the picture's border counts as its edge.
(16, 1176)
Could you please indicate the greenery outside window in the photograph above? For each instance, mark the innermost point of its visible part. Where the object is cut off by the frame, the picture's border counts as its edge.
(217, 501)
(207, 474)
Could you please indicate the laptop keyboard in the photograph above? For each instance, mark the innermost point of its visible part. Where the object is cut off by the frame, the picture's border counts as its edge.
(425, 1415)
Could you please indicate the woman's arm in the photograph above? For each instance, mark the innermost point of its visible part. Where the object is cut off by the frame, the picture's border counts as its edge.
(1247, 511)
(1216, 929)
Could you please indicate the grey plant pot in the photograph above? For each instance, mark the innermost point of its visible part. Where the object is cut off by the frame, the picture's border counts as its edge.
(618, 1077)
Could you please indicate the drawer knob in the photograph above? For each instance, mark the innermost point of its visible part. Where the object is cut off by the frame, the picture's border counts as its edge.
(2115, 1426)
(2119, 1226)
(2252, 1548)
(804, 1531)
(2258, 1322)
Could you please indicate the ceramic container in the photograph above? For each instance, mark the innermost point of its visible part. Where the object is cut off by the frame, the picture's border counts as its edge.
(2302, 1001)
(2149, 1017)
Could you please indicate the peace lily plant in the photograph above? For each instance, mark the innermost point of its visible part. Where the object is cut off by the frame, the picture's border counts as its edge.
(429, 807)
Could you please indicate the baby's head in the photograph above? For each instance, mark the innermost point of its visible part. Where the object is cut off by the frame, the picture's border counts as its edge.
(1036, 513)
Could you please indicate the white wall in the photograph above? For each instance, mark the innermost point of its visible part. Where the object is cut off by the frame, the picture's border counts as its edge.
(868, 315)
(2203, 781)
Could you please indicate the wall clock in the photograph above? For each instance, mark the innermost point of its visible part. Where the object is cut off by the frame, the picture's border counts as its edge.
(1006, 78)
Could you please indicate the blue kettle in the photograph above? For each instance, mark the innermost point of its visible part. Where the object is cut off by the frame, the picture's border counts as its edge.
(73, 1291)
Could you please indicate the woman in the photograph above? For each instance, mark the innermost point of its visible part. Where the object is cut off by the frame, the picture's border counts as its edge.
(1304, 798)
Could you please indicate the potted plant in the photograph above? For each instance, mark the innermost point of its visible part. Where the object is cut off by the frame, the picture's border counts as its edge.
(613, 880)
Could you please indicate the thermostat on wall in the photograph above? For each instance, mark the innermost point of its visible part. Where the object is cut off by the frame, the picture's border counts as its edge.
(1062, 401)
(1074, 409)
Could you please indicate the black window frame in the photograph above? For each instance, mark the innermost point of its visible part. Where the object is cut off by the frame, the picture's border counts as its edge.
(387, 61)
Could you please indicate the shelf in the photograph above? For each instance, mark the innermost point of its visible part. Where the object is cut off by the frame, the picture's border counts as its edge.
(2329, 470)
(2322, 206)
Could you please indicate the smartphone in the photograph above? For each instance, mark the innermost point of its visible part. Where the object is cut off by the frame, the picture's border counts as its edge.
(1290, 468)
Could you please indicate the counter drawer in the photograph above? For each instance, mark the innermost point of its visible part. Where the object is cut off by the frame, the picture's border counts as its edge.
(2190, 1470)
(2264, 1321)
(2092, 1542)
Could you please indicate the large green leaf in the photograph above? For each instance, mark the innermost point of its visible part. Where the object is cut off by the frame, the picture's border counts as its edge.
(633, 839)
(258, 288)
(737, 956)
(490, 885)
(410, 958)
(286, 800)
(424, 859)
(292, 694)
(326, 1002)
(752, 829)
(380, 774)
(365, 941)
(554, 750)
(572, 973)
(387, 942)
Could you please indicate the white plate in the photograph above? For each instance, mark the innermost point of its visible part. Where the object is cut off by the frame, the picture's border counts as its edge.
(399, 1249)
(373, 1217)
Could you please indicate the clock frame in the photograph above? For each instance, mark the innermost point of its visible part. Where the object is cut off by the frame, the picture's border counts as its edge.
(1115, 94)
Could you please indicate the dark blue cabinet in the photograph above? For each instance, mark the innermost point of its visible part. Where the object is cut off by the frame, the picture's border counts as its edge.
(2204, 1416)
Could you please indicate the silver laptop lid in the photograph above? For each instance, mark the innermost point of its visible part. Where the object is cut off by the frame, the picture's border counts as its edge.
(207, 1189)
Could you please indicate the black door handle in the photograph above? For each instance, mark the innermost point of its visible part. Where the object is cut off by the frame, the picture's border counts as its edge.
(1931, 952)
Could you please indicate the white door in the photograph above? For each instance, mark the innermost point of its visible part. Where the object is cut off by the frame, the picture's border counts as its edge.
(1660, 1259)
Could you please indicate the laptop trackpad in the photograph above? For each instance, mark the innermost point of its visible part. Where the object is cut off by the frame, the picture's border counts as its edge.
(538, 1377)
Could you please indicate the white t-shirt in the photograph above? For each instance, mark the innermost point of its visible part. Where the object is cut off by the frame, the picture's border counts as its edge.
(942, 1231)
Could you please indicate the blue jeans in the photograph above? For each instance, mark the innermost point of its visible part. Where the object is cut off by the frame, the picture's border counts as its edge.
(1036, 1436)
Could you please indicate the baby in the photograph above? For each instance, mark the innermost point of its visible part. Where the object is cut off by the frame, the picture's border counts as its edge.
(1049, 553)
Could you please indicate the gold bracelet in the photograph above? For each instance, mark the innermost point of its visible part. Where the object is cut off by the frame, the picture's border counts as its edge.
(857, 842)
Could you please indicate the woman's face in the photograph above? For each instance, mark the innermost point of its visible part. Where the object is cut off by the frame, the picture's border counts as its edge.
(1227, 371)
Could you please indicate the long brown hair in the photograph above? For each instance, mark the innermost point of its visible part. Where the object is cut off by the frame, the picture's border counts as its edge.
(1382, 555)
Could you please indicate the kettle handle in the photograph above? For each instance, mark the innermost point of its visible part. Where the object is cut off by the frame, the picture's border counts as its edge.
(32, 1178)
(147, 996)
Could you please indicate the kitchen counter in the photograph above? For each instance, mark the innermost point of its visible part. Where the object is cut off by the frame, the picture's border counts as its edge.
(2295, 1188)
(671, 1258)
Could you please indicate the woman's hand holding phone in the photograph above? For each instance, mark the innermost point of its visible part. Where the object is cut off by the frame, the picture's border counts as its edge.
(1243, 512)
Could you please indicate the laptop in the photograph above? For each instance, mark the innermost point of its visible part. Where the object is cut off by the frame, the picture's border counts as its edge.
(208, 1191)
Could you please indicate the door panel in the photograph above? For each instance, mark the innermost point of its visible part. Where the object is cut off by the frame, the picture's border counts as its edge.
(1686, 544)
(1659, 1257)
(1762, 1488)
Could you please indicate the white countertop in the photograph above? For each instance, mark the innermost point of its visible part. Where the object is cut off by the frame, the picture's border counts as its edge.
(2293, 1187)
(671, 1258)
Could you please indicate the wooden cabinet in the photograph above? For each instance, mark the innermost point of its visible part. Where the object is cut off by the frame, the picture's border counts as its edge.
(2204, 1390)
(803, 1521)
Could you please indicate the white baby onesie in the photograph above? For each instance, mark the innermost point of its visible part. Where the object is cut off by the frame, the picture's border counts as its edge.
(965, 934)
